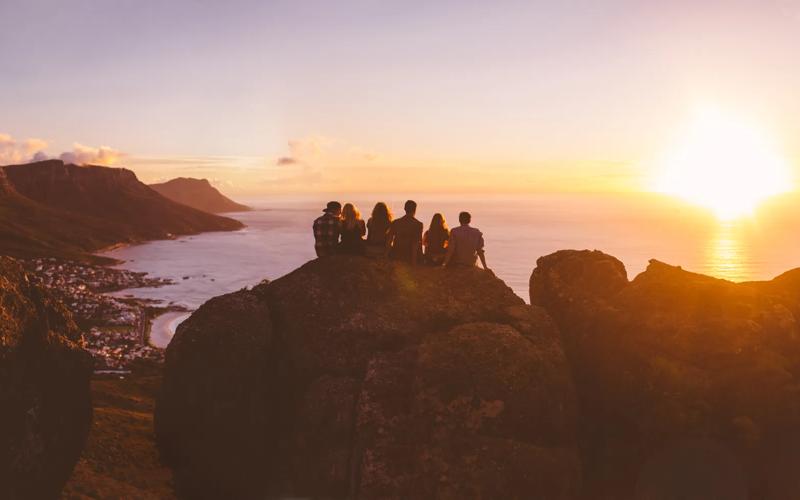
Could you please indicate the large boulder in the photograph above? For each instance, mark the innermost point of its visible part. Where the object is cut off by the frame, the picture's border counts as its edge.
(353, 378)
(45, 407)
(688, 385)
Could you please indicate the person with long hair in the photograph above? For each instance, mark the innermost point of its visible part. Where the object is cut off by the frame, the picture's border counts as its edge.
(353, 231)
(377, 226)
(435, 240)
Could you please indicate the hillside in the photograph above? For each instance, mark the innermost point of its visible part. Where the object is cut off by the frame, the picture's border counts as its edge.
(54, 209)
(45, 406)
(199, 194)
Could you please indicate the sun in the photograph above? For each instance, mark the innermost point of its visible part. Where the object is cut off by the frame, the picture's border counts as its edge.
(725, 164)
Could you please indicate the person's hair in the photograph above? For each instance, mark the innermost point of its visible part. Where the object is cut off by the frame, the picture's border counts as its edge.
(410, 207)
(464, 218)
(350, 215)
(438, 224)
(381, 213)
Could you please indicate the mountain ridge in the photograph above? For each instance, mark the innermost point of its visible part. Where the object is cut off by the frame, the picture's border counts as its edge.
(50, 208)
(199, 194)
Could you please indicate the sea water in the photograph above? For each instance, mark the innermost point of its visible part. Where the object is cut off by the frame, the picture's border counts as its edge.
(517, 231)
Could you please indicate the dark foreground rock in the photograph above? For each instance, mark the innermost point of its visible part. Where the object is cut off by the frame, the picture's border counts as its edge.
(689, 386)
(362, 379)
(45, 408)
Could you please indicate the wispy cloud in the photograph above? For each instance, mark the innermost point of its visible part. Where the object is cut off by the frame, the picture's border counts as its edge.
(13, 151)
(286, 160)
(87, 155)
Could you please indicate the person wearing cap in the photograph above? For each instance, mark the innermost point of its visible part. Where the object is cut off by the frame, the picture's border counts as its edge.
(327, 229)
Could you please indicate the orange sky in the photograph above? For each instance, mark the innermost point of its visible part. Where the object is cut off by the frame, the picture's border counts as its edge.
(312, 96)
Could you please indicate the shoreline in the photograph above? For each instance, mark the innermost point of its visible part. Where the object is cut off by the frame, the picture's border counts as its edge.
(163, 326)
(115, 329)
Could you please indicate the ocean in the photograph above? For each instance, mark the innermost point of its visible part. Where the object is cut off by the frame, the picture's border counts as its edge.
(517, 230)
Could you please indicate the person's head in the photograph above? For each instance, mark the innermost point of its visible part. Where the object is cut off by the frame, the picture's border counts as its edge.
(350, 213)
(438, 223)
(464, 218)
(381, 212)
(333, 208)
(410, 207)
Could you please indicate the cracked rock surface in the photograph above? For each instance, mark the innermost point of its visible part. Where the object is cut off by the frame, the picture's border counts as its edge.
(353, 378)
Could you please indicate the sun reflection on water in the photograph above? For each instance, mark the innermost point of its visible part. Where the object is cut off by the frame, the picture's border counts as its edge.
(727, 254)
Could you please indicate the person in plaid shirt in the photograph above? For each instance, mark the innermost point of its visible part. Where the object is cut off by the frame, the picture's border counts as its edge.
(327, 229)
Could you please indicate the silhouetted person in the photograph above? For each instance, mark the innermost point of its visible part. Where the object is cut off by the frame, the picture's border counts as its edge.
(327, 229)
(466, 244)
(435, 240)
(405, 236)
(378, 228)
(353, 231)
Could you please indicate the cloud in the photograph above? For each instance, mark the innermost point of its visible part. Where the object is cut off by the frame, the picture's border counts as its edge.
(87, 155)
(306, 150)
(285, 160)
(40, 156)
(13, 151)
(221, 183)
(311, 160)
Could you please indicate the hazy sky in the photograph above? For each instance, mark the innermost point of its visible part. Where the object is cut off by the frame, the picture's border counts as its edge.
(379, 96)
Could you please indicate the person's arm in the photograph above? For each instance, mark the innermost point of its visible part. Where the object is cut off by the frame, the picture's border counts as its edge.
(415, 250)
(363, 228)
(482, 255)
(451, 248)
(389, 240)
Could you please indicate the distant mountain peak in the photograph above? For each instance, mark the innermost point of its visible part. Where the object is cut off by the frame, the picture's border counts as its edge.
(199, 194)
(54, 208)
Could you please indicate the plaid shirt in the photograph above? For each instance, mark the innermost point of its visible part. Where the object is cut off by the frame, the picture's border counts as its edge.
(327, 229)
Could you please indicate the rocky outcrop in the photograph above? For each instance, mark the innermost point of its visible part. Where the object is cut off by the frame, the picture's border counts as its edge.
(199, 194)
(55, 209)
(45, 408)
(351, 378)
(688, 385)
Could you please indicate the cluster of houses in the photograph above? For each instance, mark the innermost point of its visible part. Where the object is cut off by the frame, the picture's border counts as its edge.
(116, 329)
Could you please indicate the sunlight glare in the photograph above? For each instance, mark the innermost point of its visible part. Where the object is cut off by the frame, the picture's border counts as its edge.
(724, 164)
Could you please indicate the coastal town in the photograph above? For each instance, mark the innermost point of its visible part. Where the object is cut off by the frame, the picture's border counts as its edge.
(116, 329)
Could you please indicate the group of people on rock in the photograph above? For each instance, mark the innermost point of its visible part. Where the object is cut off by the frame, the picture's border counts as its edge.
(341, 230)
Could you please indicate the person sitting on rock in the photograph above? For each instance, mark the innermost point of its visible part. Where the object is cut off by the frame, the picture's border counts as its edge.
(435, 241)
(465, 245)
(353, 231)
(405, 236)
(378, 227)
(327, 229)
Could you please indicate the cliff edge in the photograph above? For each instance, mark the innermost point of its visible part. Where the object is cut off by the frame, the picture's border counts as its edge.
(45, 408)
(351, 378)
(688, 385)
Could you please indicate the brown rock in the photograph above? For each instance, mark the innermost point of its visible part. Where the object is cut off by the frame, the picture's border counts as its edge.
(671, 359)
(368, 379)
(45, 407)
